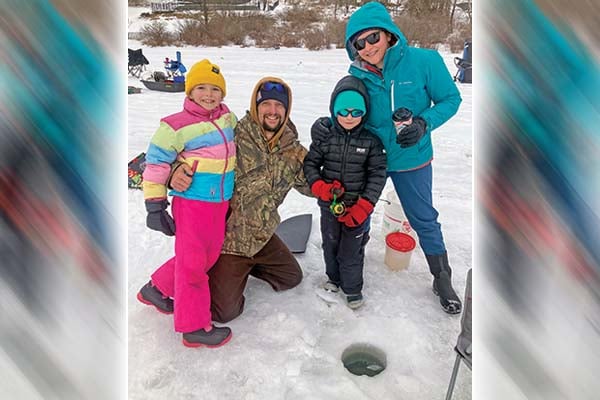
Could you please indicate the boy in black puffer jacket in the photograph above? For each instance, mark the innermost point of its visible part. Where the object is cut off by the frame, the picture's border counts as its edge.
(346, 169)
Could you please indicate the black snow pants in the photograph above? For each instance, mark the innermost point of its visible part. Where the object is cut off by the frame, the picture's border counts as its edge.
(344, 251)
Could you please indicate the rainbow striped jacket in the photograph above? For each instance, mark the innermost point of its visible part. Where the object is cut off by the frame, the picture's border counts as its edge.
(197, 137)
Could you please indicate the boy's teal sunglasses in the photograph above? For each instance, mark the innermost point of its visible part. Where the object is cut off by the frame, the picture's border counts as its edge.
(354, 113)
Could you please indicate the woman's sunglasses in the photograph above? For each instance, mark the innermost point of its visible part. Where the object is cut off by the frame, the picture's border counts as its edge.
(268, 86)
(372, 38)
(354, 113)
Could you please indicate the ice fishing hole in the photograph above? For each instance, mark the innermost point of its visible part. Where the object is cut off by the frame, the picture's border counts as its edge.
(364, 359)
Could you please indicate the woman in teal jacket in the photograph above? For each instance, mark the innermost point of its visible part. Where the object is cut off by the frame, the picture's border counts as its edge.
(398, 76)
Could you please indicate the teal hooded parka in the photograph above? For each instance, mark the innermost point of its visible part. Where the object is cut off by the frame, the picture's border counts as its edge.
(412, 77)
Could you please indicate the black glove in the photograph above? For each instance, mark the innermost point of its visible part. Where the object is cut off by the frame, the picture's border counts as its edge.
(320, 129)
(158, 218)
(412, 133)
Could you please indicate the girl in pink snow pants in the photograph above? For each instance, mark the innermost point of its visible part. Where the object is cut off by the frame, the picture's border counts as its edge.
(201, 138)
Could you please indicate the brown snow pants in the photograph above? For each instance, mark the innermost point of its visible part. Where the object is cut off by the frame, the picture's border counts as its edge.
(274, 264)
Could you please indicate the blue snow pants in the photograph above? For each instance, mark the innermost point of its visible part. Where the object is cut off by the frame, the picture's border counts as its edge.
(414, 191)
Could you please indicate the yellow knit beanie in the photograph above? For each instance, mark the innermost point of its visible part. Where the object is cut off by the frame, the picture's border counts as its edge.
(204, 72)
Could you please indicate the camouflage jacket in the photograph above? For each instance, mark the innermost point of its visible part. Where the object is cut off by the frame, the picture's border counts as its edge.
(263, 178)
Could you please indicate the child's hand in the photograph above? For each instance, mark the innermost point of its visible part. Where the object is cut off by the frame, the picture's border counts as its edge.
(357, 214)
(182, 178)
(158, 218)
(325, 191)
(337, 189)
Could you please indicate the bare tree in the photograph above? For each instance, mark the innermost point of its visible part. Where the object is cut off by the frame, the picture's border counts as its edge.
(205, 15)
(466, 6)
(421, 8)
(452, 15)
(339, 4)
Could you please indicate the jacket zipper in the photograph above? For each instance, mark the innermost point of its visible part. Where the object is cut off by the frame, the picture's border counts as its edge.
(392, 96)
(344, 154)
(226, 157)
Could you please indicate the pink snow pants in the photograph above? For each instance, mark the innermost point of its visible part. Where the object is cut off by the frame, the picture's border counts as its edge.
(199, 235)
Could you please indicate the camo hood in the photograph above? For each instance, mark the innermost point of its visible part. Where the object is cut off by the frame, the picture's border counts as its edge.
(254, 107)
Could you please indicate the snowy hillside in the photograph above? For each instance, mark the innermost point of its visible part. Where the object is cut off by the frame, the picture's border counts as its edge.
(288, 345)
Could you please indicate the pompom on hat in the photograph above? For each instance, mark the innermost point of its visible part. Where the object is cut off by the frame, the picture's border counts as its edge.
(204, 72)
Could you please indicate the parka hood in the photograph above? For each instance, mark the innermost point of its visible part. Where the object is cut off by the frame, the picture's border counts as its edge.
(371, 16)
(254, 107)
(349, 82)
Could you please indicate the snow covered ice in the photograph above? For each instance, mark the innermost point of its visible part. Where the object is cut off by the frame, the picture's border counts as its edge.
(287, 346)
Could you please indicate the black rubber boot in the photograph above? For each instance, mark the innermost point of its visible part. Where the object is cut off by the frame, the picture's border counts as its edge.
(151, 296)
(442, 283)
(216, 337)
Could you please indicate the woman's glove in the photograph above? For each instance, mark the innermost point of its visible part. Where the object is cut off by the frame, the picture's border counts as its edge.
(357, 214)
(412, 133)
(325, 191)
(158, 218)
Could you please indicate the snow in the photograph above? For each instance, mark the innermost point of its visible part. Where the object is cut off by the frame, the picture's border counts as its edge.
(288, 345)
(134, 22)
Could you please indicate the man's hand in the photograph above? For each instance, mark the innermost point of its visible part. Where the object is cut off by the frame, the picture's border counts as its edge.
(320, 128)
(182, 178)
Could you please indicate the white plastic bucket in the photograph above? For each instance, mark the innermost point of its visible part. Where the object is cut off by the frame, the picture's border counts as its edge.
(399, 247)
(394, 219)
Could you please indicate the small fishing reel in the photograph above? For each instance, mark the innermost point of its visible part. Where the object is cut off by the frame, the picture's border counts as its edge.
(337, 208)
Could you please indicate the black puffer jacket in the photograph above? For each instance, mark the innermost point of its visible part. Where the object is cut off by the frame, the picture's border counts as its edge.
(356, 158)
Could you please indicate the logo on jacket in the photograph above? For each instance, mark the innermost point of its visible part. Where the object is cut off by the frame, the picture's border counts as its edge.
(361, 150)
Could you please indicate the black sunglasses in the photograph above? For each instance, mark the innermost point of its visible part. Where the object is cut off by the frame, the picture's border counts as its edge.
(372, 38)
(268, 86)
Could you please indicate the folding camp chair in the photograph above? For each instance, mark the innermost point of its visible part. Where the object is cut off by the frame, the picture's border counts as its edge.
(463, 346)
(175, 68)
(464, 74)
(137, 62)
